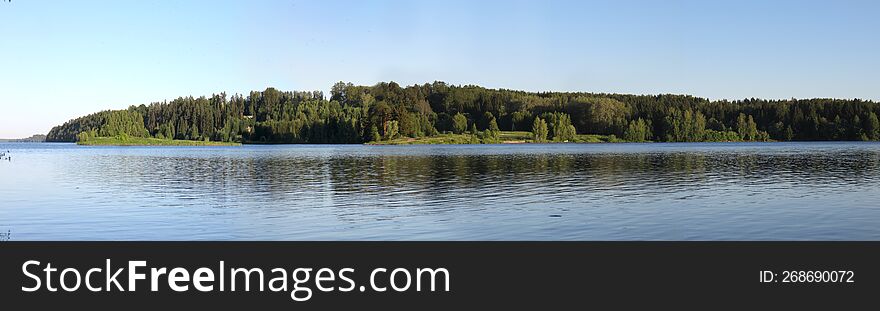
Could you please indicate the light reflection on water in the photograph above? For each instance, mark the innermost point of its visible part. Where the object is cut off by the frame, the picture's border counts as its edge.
(738, 191)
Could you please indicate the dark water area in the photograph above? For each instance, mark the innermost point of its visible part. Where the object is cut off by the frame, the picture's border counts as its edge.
(659, 191)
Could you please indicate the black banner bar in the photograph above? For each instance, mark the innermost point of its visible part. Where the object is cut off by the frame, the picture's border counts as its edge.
(532, 275)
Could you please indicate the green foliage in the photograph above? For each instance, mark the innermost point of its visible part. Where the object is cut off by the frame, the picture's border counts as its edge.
(685, 126)
(392, 130)
(748, 129)
(613, 139)
(374, 134)
(493, 126)
(520, 120)
(444, 139)
(493, 133)
(514, 136)
(872, 128)
(127, 122)
(539, 130)
(601, 115)
(459, 123)
(85, 136)
(637, 131)
(352, 112)
(125, 140)
(559, 126)
(563, 130)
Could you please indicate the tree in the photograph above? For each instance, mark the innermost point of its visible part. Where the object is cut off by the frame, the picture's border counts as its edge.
(637, 131)
(484, 122)
(193, 133)
(686, 126)
(380, 114)
(539, 130)
(698, 125)
(872, 128)
(856, 131)
(459, 123)
(408, 124)
(392, 131)
(86, 135)
(720, 136)
(562, 128)
(374, 134)
(339, 91)
(493, 132)
(742, 127)
(493, 126)
(747, 128)
(352, 112)
(753, 129)
(519, 120)
(167, 130)
(601, 115)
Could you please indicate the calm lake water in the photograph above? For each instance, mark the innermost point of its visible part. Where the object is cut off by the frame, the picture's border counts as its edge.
(661, 191)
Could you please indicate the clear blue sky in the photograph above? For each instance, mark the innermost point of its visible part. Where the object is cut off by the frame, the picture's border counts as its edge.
(63, 59)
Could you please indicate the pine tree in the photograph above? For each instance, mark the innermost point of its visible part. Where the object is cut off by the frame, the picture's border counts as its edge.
(493, 133)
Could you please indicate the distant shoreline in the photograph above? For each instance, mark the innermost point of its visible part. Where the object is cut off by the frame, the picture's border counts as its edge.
(37, 138)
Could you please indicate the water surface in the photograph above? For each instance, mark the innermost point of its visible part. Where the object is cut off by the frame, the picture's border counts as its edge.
(660, 191)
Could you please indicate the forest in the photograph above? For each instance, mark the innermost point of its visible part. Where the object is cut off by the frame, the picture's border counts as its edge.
(385, 111)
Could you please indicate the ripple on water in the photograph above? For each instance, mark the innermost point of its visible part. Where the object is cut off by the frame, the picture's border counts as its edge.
(787, 191)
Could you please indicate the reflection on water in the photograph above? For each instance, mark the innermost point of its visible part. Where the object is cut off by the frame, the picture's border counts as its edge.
(781, 191)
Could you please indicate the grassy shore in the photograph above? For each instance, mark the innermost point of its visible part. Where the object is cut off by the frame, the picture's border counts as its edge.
(140, 141)
(506, 137)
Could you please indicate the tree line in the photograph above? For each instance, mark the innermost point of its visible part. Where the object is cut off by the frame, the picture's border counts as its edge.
(357, 114)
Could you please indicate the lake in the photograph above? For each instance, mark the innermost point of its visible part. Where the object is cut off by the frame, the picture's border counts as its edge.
(653, 191)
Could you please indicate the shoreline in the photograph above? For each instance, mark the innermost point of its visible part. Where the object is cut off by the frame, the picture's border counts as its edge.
(506, 138)
(140, 141)
(234, 144)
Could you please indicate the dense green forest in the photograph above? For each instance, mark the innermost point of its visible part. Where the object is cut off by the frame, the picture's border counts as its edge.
(357, 114)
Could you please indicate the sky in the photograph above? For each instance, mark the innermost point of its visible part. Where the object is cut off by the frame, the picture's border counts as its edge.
(64, 59)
